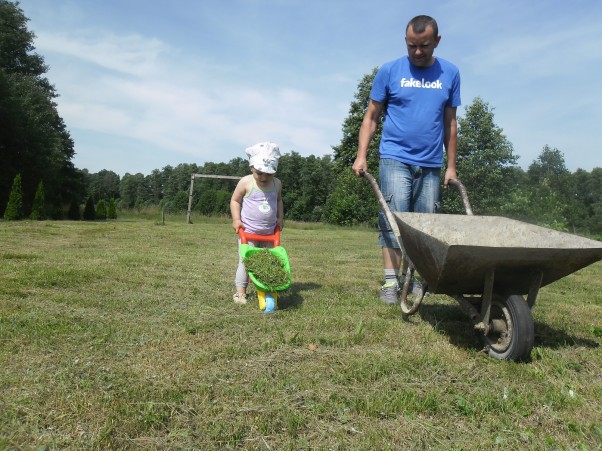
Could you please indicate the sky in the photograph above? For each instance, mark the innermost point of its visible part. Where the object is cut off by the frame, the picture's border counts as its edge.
(145, 84)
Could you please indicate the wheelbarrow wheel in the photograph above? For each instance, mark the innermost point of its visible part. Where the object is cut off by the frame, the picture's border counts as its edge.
(510, 335)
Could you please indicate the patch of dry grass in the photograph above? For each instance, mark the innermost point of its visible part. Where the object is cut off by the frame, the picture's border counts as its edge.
(123, 335)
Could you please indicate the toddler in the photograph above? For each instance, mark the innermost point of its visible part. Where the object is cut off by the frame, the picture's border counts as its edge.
(256, 205)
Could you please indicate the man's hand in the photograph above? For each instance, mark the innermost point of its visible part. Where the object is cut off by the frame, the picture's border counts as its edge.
(450, 174)
(360, 165)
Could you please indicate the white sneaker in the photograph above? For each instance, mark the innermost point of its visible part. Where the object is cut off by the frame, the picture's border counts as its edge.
(389, 293)
(240, 298)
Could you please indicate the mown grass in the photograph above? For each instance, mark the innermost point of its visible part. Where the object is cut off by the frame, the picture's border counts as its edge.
(123, 335)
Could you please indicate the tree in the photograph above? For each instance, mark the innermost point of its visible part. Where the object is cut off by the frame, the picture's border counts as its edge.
(104, 184)
(74, 212)
(314, 182)
(14, 208)
(89, 210)
(38, 211)
(550, 189)
(346, 152)
(101, 210)
(485, 162)
(129, 189)
(112, 211)
(353, 200)
(594, 190)
(33, 138)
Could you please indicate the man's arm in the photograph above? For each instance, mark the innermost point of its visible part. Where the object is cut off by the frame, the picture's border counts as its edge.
(450, 141)
(367, 130)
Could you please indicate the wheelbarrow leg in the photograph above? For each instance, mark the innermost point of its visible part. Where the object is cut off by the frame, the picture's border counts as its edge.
(534, 288)
(483, 325)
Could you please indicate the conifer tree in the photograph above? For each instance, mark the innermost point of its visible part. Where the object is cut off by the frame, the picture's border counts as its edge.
(74, 212)
(89, 210)
(101, 210)
(112, 212)
(14, 208)
(38, 211)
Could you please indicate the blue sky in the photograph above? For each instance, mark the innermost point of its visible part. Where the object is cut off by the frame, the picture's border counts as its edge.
(148, 83)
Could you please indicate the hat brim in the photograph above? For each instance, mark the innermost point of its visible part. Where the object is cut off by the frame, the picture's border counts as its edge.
(265, 169)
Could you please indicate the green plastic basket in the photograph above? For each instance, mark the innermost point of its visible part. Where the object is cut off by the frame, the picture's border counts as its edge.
(247, 250)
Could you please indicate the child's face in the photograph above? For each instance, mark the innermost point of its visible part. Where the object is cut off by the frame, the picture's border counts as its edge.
(262, 177)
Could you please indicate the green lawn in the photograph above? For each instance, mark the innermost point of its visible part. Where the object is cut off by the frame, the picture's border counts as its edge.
(123, 334)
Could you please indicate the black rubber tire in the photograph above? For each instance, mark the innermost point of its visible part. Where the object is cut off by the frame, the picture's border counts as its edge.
(512, 332)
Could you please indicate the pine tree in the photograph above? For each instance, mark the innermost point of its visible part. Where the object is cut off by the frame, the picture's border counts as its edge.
(14, 208)
(89, 210)
(101, 210)
(74, 212)
(112, 212)
(38, 211)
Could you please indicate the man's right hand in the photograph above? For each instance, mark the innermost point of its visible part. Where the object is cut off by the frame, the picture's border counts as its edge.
(360, 165)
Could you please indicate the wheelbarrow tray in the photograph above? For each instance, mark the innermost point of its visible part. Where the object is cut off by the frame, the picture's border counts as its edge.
(280, 252)
(454, 253)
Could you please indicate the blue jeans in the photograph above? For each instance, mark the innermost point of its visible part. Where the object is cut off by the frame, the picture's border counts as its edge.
(406, 188)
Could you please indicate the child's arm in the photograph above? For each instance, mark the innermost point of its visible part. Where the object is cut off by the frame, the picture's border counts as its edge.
(280, 212)
(236, 202)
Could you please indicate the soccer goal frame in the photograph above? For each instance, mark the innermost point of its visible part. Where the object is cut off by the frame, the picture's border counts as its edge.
(208, 176)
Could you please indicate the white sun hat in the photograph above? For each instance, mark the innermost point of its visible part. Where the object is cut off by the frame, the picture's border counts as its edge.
(264, 156)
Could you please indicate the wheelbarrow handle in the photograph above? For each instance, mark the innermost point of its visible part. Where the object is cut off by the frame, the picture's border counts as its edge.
(273, 238)
(385, 208)
(463, 193)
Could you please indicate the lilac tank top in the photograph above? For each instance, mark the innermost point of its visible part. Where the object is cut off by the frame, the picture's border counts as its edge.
(259, 210)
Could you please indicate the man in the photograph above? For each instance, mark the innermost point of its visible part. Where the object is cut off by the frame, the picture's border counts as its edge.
(421, 94)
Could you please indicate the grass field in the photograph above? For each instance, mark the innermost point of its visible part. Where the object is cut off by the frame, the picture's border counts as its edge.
(123, 335)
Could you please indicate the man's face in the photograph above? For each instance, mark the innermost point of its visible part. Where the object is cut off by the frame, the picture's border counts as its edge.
(421, 46)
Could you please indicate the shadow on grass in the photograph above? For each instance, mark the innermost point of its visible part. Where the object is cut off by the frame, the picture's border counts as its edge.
(549, 337)
(452, 322)
(293, 298)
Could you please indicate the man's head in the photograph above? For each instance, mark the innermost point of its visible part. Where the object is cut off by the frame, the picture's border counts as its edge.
(422, 38)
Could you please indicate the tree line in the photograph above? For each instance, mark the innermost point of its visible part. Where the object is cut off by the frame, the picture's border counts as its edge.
(38, 179)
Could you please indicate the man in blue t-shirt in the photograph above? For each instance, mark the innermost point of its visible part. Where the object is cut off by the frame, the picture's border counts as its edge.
(420, 94)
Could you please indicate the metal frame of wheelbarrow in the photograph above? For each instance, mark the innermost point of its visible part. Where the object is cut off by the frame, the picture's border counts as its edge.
(504, 318)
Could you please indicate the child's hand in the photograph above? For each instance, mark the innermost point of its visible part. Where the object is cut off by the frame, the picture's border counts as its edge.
(280, 223)
(237, 224)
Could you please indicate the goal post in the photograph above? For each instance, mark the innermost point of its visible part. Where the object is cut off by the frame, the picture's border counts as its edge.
(209, 176)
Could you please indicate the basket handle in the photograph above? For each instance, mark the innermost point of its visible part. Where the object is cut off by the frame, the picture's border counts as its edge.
(273, 238)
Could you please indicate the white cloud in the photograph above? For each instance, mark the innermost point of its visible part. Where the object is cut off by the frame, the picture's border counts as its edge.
(128, 54)
(145, 96)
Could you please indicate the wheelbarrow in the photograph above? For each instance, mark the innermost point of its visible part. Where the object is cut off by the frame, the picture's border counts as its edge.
(266, 294)
(493, 266)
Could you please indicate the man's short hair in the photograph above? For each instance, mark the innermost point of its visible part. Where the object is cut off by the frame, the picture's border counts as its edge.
(419, 24)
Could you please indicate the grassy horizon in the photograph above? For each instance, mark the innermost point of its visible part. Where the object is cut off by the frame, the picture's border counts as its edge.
(123, 335)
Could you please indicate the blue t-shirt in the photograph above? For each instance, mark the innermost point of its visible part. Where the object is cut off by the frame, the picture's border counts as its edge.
(416, 98)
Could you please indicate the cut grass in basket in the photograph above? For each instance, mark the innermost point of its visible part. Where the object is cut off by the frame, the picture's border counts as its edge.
(267, 268)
